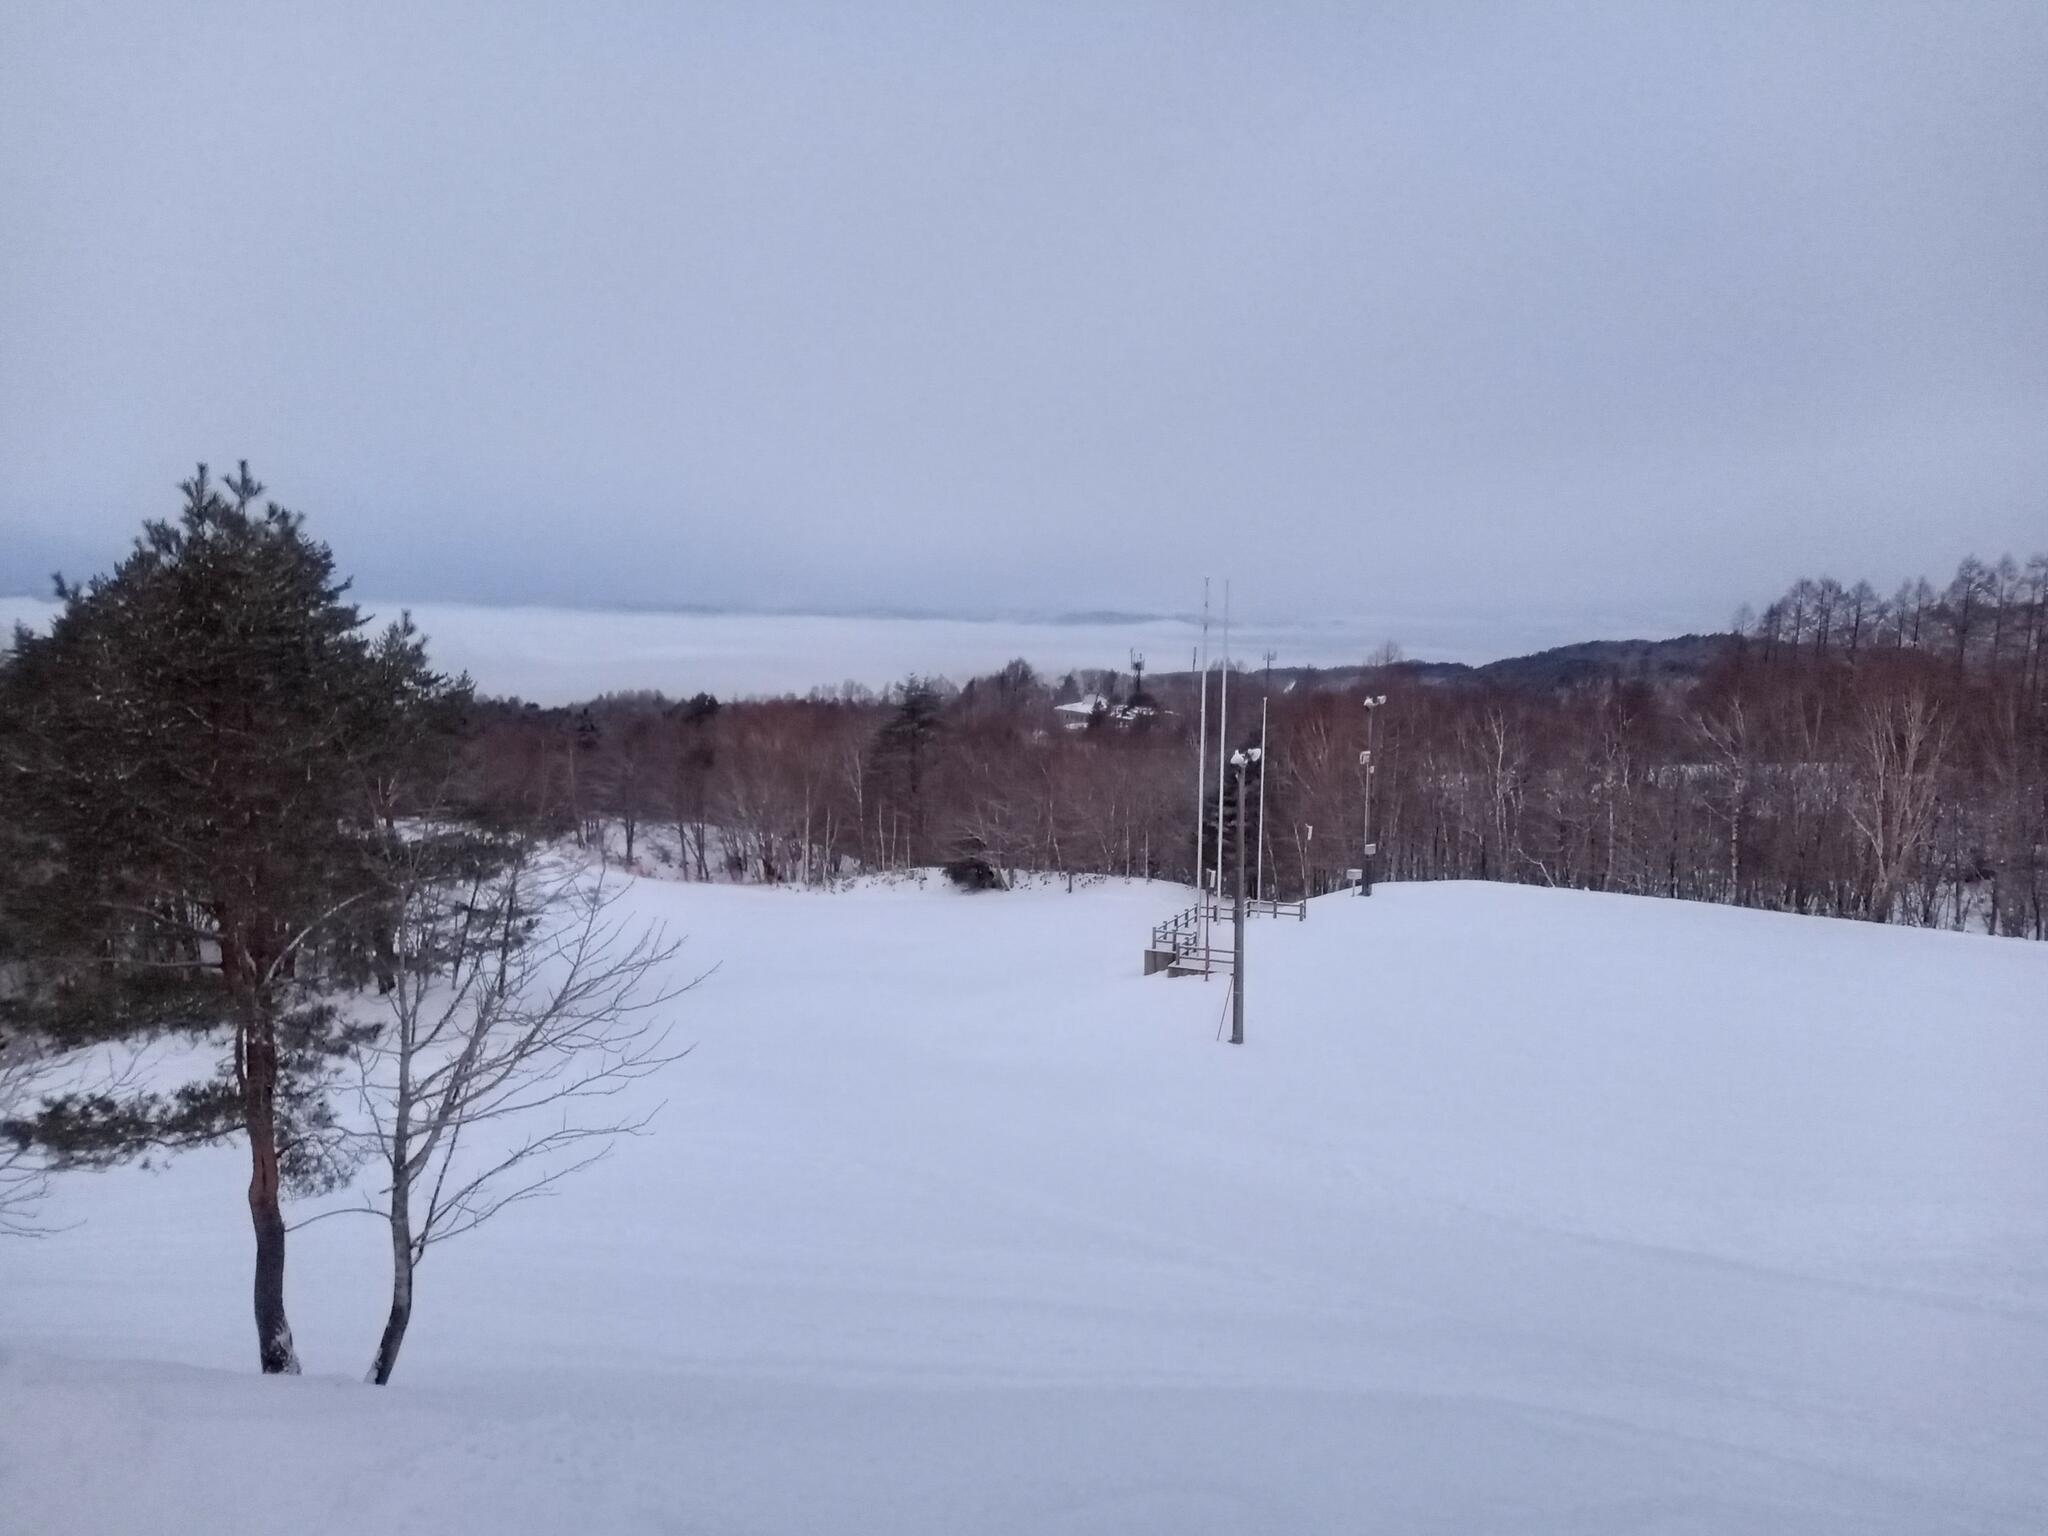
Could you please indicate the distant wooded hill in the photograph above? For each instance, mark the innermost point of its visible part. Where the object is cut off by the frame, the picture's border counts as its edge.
(1681, 659)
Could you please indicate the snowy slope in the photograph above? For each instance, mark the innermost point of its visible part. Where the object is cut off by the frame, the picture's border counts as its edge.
(1522, 1211)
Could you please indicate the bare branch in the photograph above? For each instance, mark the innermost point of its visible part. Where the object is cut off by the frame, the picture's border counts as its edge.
(521, 992)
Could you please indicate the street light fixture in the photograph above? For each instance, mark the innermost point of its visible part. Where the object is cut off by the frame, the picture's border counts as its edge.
(1240, 760)
(1365, 762)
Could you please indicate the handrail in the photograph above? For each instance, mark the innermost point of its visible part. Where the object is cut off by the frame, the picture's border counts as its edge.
(1183, 935)
(1182, 922)
(1274, 907)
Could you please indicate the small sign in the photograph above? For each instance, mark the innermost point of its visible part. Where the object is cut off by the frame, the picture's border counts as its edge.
(1371, 849)
(1353, 876)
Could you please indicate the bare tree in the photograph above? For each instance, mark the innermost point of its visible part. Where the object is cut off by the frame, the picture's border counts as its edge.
(524, 1000)
(1725, 737)
(24, 1177)
(1892, 800)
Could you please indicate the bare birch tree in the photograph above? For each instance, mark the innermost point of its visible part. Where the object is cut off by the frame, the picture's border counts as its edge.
(1892, 800)
(524, 1005)
(1724, 736)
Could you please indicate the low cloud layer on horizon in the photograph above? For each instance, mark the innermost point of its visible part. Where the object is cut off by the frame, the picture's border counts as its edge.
(1427, 309)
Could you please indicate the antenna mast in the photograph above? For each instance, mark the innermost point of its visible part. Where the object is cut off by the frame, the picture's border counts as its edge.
(1202, 784)
(1222, 734)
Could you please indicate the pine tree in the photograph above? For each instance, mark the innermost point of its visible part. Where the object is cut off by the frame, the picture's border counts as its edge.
(206, 754)
(901, 755)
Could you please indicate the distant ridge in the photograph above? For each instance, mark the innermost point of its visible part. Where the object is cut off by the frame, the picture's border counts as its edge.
(1683, 658)
(1680, 659)
(1114, 616)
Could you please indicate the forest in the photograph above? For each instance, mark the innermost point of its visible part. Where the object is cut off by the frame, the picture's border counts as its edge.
(1836, 753)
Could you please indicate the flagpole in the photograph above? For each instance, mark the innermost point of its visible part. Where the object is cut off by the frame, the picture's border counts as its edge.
(1263, 761)
(1222, 732)
(1202, 785)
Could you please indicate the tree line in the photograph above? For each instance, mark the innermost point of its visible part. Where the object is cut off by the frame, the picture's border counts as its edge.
(1837, 753)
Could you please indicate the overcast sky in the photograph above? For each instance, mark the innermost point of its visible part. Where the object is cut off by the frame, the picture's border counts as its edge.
(1417, 307)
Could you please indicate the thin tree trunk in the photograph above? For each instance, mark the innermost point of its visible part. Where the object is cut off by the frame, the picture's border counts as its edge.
(386, 966)
(400, 1316)
(399, 1218)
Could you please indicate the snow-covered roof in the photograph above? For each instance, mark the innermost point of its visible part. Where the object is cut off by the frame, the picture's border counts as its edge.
(1085, 708)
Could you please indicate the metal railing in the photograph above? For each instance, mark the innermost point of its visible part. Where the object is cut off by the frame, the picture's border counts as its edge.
(1204, 960)
(1181, 934)
(1275, 908)
(1185, 935)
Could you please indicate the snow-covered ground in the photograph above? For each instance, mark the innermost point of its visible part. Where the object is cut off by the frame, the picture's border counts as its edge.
(566, 655)
(1522, 1211)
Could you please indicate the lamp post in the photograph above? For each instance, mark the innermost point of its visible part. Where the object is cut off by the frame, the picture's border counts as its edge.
(1365, 762)
(1239, 761)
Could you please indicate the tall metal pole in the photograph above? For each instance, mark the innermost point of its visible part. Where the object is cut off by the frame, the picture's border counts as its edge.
(1237, 919)
(1222, 733)
(1202, 777)
(1202, 790)
(1365, 849)
(1261, 853)
(1365, 852)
